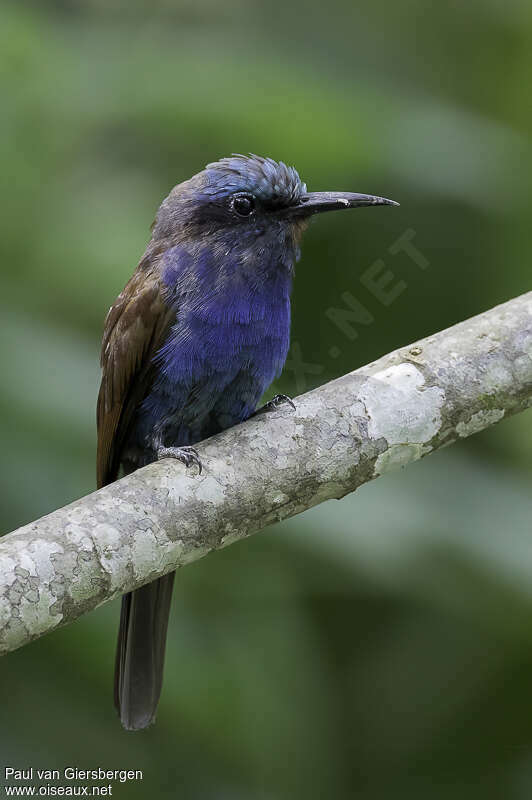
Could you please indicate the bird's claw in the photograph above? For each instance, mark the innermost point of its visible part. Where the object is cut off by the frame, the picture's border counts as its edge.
(274, 403)
(187, 455)
(279, 400)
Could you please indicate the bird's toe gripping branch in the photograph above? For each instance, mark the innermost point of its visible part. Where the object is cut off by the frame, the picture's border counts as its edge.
(274, 403)
(187, 455)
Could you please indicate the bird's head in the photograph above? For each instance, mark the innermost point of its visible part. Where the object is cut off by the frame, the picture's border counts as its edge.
(249, 204)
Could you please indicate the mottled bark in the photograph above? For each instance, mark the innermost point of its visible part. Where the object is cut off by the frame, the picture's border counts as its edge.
(380, 417)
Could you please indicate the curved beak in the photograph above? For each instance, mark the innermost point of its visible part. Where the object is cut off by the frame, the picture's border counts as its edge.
(316, 202)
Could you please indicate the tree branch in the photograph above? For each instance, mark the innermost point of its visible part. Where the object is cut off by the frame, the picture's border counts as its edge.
(380, 417)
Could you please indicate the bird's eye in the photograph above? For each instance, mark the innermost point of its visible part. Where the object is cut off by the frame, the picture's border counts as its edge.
(243, 204)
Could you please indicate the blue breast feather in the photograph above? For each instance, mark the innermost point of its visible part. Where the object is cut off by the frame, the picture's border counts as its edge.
(228, 344)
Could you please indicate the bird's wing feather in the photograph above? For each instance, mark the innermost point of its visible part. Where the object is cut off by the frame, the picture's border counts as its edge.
(134, 330)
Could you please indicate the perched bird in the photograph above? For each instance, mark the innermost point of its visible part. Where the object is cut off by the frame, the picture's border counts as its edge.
(190, 345)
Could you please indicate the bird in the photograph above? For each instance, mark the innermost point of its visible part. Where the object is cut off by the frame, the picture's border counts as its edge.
(190, 345)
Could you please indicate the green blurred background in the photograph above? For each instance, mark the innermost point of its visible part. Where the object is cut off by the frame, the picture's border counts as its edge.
(376, 647)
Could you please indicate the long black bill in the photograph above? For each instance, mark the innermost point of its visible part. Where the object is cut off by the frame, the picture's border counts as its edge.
(316, 202)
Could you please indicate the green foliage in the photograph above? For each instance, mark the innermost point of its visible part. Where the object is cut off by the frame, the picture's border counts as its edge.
(376, 647)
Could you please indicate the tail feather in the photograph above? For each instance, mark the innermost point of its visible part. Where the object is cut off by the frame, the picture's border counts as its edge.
(140, 652)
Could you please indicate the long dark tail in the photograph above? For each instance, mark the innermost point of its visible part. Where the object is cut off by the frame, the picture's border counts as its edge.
(140, 652)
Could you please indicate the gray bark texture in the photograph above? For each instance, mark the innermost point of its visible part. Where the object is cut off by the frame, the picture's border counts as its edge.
(376, 419)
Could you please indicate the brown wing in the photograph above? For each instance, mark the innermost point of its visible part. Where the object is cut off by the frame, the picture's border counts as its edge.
(134, 330)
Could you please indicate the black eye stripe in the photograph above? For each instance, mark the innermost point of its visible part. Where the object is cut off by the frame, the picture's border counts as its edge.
(243, 204)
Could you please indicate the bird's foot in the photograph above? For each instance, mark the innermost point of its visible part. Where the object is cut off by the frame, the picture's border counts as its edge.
(275, 402)
(187, 455)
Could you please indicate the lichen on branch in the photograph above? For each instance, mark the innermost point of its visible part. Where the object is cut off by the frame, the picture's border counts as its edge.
(341, 435)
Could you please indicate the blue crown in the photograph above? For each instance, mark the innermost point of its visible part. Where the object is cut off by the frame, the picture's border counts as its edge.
(272, 182)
